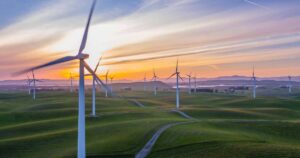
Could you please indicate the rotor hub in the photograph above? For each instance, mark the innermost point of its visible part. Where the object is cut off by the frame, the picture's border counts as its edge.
(83, 56)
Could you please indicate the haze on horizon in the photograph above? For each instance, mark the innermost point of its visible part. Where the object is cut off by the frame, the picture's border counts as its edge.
(210, 38)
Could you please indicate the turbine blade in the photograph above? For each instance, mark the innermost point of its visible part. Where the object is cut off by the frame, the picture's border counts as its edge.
(97, 64)
(58, 61)
(180, 78)
(95, 76)
(171, 75)
(85, 35)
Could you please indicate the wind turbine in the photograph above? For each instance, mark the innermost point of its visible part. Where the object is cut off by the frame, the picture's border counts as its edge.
(81, 152)
(290, 84)
(145, 80)
(94, 90)
(254, 84)
(71, 82)
(34, 85)
(195, 83)
(106, 81)
(177, 73)
(154, 78)
(111, 81)
(190, 86)
(29, 84)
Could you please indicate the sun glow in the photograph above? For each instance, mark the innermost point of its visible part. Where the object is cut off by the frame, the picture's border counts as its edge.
(150, 37)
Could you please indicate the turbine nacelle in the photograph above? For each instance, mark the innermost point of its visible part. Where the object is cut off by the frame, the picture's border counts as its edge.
(83, 56)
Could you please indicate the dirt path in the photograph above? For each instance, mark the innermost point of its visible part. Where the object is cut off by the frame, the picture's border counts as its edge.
(149, 145)
(137, 103)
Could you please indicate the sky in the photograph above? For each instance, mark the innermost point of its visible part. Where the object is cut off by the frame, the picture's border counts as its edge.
(210, 38)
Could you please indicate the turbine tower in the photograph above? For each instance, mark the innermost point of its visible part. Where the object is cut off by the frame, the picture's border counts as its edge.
(290, 84)
(177, 73)
(145, 80)
(254, 84)
(81, 152)
(154, 78)
(33, 80)
(71, 83)
(111, 81)
(34, 84)
(106, 82)
(94, 90)
(195, 83)
(190, 86)
(29, 84)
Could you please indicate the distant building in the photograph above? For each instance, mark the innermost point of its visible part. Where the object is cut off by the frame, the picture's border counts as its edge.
(207, 90)
(126, 89)
(240, 88)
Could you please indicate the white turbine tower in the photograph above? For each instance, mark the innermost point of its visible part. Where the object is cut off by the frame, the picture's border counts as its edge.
(154, 78)
(145, 81)
(81, 152)
(254, 84)
(34, 85)
(111, 81)
(71, 82)
(106, 82)
(33, 80)
(177, 73)
(290, 84)
(195, 83)
(29, 84)
(94, 90)
(190, 86)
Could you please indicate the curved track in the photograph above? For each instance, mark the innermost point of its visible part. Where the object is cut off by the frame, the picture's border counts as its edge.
(149, 145)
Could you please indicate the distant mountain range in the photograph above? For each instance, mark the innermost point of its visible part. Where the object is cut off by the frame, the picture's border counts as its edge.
(235, 79)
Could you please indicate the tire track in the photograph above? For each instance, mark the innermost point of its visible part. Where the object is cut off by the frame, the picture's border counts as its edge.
(145, 151)
(149, 145)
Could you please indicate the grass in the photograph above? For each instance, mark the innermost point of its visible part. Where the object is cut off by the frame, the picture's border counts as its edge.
(226, 126)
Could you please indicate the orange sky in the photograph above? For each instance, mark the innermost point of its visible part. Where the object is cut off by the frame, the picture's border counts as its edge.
(209, 40)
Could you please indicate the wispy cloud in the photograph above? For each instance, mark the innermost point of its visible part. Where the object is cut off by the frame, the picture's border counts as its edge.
(256, 4)
(213, 32)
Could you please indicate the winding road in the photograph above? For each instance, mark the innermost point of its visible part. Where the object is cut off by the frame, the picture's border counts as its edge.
(149, 145)
(183, 114)
(137, 103)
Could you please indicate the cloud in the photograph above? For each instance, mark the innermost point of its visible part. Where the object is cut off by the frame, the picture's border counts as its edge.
(202, 30)
(256, 4)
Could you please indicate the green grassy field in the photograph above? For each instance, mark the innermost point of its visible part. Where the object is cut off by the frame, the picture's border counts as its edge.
(227, 126)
